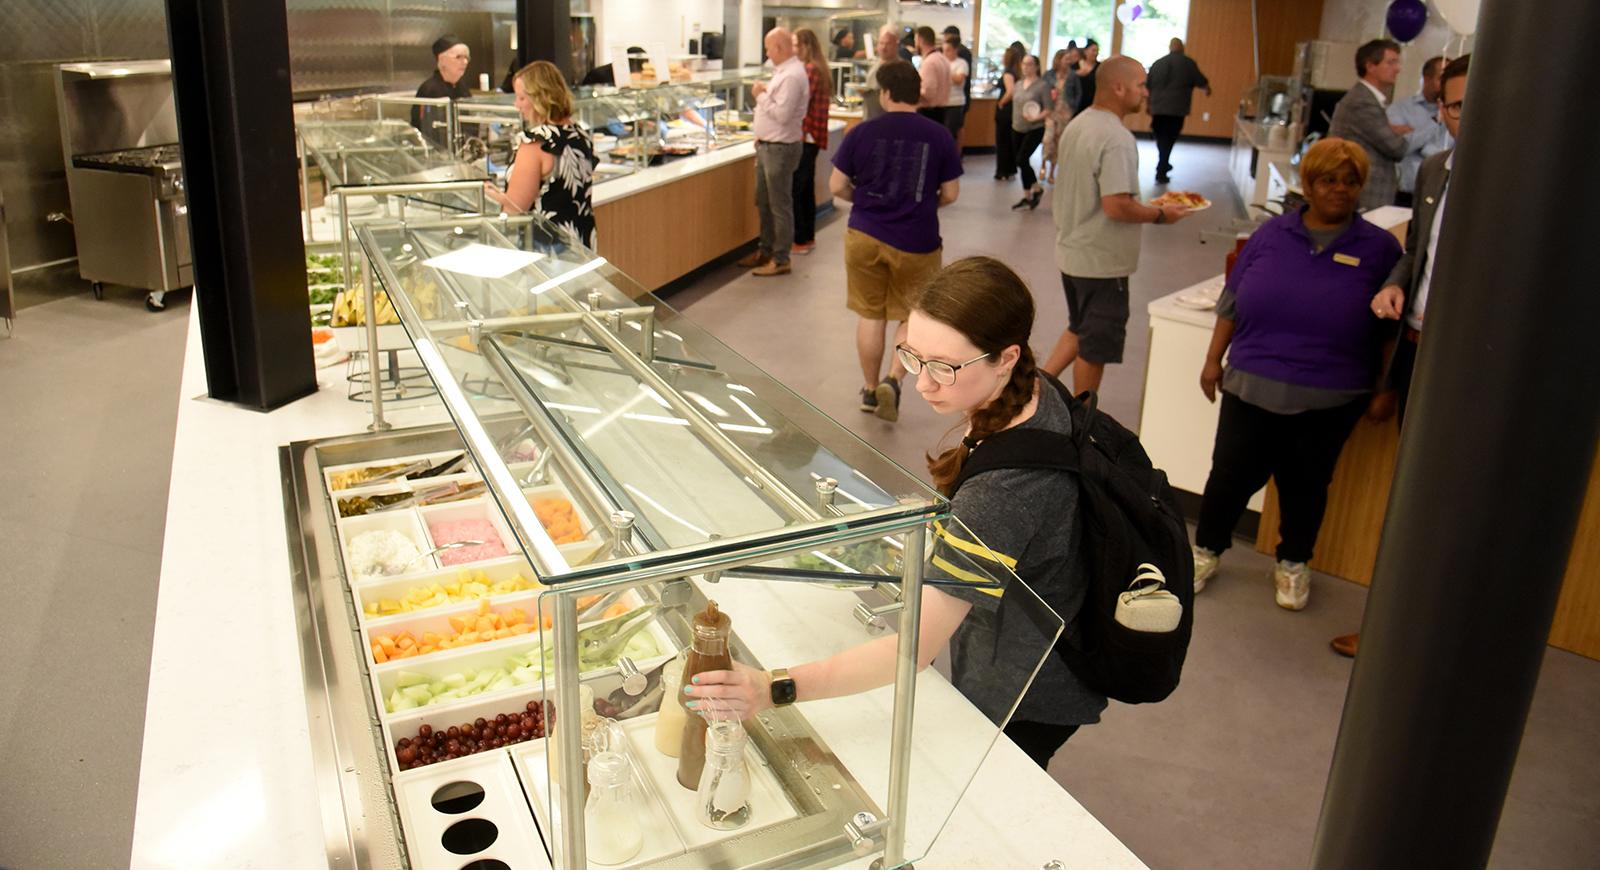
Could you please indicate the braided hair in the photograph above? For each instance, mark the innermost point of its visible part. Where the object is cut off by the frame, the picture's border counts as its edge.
(984, 300)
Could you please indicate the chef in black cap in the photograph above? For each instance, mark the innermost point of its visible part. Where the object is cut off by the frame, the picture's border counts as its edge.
(451, 59)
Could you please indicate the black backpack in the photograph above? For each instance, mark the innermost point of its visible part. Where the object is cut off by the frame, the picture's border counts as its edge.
(1129, 519)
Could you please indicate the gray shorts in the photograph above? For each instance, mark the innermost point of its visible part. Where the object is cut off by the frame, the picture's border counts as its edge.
(1097, 313)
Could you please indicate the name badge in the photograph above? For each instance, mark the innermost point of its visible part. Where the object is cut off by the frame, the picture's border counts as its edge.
(1347, 260)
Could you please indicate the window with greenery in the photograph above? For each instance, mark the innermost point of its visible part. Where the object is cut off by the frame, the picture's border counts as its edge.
(1007, 21)
(1080, 20)
(1147, 37)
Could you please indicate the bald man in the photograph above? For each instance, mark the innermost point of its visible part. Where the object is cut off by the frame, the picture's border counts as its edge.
(780, 110)
(1097, 215)
(1172, 82)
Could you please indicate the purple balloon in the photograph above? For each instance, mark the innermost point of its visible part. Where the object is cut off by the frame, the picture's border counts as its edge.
(1406, 18)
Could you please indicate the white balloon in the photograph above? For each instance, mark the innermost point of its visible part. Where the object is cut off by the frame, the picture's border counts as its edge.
(1461, 15)
(1125, 13)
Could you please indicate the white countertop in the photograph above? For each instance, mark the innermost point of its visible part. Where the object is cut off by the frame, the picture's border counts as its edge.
(226, 777)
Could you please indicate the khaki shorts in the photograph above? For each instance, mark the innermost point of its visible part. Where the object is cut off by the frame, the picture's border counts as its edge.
(882, 281)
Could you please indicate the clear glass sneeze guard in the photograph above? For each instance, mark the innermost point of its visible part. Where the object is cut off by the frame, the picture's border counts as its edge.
(643, 469)
(671, 447)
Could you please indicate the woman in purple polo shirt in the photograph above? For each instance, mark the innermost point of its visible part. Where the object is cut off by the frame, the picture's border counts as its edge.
(1304, 360)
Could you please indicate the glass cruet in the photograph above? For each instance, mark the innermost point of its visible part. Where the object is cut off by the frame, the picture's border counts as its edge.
(723, 799)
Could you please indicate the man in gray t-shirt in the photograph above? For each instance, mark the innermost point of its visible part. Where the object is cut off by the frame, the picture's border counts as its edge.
(1097, 214)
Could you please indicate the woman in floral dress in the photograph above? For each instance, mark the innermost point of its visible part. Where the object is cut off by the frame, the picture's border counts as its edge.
(553, 169)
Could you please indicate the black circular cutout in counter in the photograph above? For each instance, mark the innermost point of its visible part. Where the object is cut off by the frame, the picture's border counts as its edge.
(454, 798)
(470, 835)
(487, 864)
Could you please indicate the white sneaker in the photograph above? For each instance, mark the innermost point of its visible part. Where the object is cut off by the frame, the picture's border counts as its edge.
(1205, 567)
(1293, 580)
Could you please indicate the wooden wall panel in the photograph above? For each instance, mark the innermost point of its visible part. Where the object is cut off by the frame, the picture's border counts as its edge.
(1283, 24)
(1577, 623)
(978, 129)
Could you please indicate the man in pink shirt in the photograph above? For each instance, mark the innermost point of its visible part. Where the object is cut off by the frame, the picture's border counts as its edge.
(780, 112)
(935, 72)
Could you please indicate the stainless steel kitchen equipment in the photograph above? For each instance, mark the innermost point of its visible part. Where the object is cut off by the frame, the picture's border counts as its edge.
(119, 140)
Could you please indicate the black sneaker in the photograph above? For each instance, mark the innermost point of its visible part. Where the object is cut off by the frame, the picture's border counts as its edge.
(869, 400)
(887, 400)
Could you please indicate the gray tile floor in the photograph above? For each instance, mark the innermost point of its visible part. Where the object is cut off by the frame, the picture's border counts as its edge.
(1228, 772)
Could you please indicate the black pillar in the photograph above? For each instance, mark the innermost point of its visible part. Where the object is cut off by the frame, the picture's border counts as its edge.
(544, 32)
(230, 71)
(1493, 466)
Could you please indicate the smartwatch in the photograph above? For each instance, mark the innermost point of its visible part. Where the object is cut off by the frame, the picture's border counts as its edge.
(783, 691)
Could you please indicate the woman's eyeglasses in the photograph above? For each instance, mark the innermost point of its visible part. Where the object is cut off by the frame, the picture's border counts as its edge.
(942, 372)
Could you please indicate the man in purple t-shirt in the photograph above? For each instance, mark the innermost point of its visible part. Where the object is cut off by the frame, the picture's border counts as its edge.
(895, 170)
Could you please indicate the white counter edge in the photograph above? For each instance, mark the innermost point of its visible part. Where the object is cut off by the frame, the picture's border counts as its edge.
(226, 778)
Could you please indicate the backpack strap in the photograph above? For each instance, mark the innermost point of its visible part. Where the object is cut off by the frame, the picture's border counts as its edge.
(1020, 448)
(1034, 448)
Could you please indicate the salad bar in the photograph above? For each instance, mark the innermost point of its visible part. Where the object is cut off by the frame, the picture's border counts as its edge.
(498, 615)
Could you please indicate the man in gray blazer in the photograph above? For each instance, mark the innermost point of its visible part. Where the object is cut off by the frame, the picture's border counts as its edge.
(1172, 82)
(1362, 117)
(1405, 296)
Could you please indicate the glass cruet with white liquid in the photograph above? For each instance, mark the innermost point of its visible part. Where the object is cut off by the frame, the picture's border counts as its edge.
(723, 799)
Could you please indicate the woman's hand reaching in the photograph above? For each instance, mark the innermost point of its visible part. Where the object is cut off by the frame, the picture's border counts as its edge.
(729, 695)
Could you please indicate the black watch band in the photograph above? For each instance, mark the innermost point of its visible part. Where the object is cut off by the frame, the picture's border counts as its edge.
(783, 691)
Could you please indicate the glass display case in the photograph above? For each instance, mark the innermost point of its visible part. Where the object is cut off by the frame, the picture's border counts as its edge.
(493, 610)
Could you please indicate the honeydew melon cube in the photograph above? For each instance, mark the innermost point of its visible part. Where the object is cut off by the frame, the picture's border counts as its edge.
(469, 675)
(454, 681)
(418, 694)
(405, 704)
(407, 679)
(526, 675)
(500, 683)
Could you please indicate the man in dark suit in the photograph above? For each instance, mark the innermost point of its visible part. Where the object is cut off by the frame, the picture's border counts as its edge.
(1405, 296)
(1172, 82)
(1362, 117)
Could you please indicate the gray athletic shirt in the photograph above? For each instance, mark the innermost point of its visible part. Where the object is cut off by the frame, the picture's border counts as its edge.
(1027, 520)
